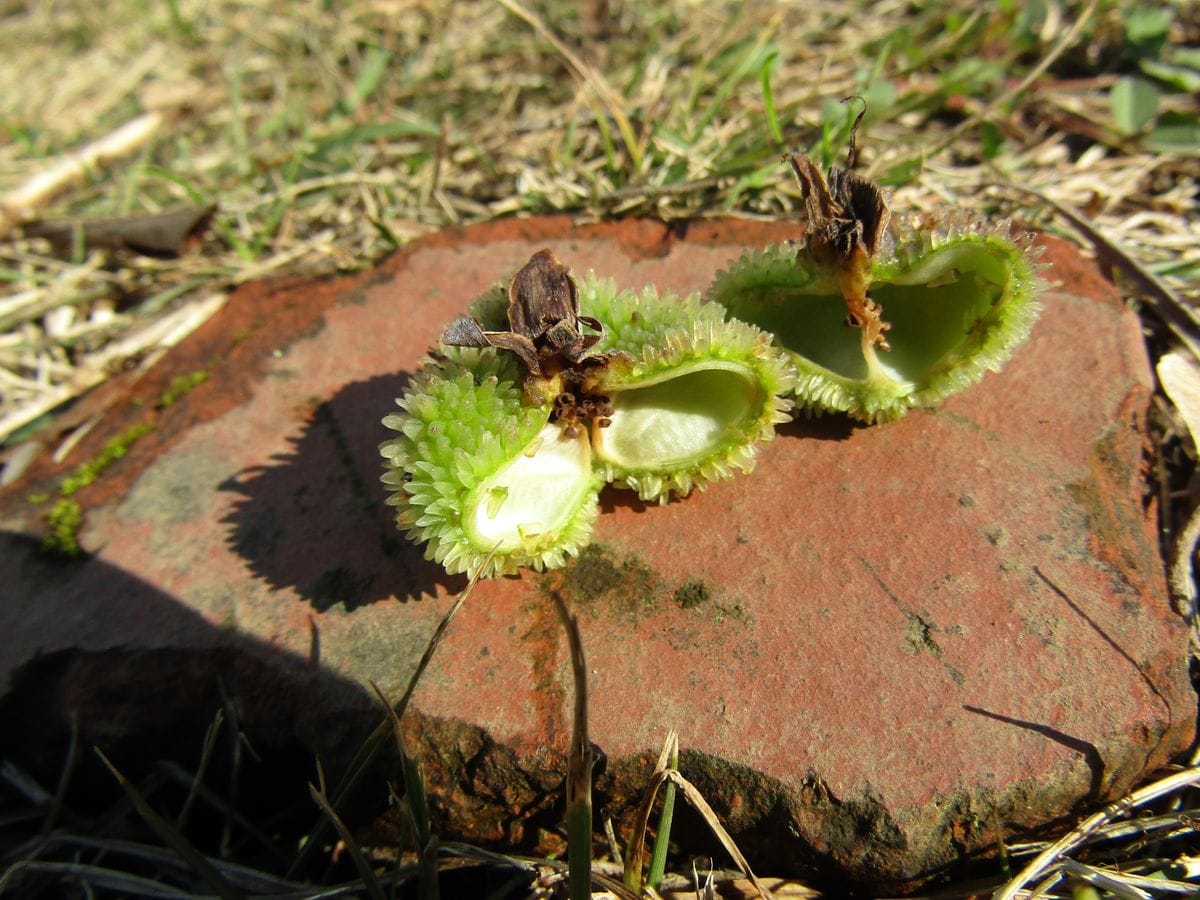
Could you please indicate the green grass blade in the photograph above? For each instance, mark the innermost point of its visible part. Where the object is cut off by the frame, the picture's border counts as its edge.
(370, 882)
(172, 837)
(764, 78)
(373, 69)
(668, 758)
(82, 875)
(662, 837)
(374, 743)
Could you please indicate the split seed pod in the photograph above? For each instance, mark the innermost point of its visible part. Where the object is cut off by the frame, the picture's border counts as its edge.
(872, 336)
(492, 470)
(702, 397)
(504, 443)
(480, 475)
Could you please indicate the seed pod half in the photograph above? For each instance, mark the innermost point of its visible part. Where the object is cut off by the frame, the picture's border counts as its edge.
(476, 468)
(702, 394)
(956, 305)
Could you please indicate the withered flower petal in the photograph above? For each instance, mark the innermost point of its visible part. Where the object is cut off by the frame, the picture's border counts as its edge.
(847, 217)
(543, 313)
(863, 204)
(542, 295)
(465, 332)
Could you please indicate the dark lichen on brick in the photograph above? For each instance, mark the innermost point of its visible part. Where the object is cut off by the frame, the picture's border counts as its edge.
(918, 634)
(597, 578)
(692, 594)
(735, 611)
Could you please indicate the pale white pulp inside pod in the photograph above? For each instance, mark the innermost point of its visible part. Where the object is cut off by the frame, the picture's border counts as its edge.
(680, 418)
(536, 494)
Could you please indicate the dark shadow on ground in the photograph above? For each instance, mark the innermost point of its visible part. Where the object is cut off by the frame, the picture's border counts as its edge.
(141, 678)
(831, 427)
(1091, 756)
(316, 520)
(93, 649)
(613, 497)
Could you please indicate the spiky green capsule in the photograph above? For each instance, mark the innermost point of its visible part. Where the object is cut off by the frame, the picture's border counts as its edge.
(955, 306)
(702, 396)
(481, 476)
(495, 471)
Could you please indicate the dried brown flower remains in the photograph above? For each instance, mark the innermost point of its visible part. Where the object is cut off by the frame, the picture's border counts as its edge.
(545, 331)
(847, 218)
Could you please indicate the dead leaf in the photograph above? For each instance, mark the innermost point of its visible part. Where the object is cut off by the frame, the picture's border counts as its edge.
(169, 233)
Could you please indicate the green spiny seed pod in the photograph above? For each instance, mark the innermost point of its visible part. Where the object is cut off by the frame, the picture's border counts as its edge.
(477, 469)
(702, 395)
(507, 436)
(956, 305)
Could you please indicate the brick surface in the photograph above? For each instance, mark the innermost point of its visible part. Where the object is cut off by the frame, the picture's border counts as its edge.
(884, 642)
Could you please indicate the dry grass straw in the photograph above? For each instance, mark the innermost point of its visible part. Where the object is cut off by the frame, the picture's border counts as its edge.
(1053, 866)
(662, 775)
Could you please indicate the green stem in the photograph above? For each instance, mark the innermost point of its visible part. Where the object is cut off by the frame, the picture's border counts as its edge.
(662, 838)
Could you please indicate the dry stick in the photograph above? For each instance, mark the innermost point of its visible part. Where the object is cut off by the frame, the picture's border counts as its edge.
(1176, 314)
(22, 204)
(1080, 834)
(589, 75)
(1182, 573)
(1179, 377)
(31, 305)
(1125, 885)
(167, 233)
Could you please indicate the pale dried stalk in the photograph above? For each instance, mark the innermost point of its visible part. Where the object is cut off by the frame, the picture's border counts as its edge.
(696, 799)
(22, 204)
(151, 341)
(35, 304)
(1179, 376)
(1078, 836)
(590, 76)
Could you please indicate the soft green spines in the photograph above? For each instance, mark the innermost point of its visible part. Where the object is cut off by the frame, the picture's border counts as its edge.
(711, 368)
(464, 418)
(1000, 267)
(637, 321)
(958, 304)
(694, 397)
